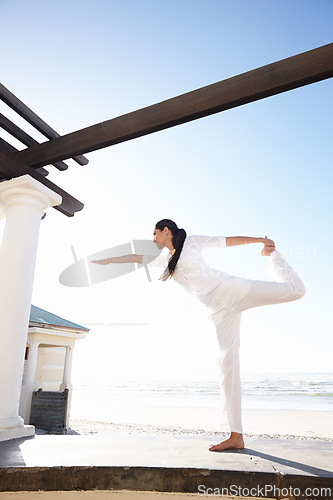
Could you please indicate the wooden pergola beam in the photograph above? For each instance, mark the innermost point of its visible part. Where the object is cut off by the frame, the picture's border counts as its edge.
(287, 74)
(5, 147)
(21, 109)
(23, 137)
(10, 167)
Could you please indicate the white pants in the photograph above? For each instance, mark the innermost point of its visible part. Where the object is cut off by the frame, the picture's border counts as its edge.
(226, 305)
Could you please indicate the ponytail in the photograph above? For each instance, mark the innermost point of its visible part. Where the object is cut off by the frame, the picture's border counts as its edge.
(178, 238)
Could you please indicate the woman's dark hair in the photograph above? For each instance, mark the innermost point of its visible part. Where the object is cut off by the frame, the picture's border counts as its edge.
(178, 238)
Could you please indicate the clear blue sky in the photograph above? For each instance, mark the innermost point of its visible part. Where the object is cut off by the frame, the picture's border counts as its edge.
(260, 169)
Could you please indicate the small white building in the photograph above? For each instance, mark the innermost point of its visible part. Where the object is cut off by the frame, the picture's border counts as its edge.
(48, 358)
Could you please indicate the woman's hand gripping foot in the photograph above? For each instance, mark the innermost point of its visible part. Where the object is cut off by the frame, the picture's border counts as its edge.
(269, 247)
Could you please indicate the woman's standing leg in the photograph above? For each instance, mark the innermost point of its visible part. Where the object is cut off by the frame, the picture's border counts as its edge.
(229, 372)
(228, 335)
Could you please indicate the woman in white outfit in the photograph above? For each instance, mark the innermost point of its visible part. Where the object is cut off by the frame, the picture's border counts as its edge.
(226, 297)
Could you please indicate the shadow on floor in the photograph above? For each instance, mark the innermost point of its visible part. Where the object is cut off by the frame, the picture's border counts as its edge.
(10, 453)
(285, 462)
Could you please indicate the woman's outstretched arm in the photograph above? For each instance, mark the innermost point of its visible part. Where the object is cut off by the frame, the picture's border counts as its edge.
(232, 241)
(123, 259)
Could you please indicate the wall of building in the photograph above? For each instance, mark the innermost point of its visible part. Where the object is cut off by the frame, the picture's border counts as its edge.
(50, 368)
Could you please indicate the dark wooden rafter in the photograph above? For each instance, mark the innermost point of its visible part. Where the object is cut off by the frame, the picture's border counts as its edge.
(25, 138)
(10, 167)
(21, 109)
(8, 148)
(287, 74)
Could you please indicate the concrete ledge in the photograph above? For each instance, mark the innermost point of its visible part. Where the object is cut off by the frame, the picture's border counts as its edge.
(17, 433)
(176, 480)
(269, 468)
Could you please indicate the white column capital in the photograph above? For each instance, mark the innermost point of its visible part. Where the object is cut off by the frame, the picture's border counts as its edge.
(27, 191)
(33, 344)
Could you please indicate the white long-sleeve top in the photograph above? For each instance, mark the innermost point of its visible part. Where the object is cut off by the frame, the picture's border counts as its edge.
(192, 271)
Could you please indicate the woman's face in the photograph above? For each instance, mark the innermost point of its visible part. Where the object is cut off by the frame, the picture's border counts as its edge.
(162, 237)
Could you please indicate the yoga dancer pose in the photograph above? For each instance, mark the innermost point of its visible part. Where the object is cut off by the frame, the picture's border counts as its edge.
(225, 296)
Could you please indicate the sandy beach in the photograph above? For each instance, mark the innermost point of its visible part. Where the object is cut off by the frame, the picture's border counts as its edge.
(286, 424)
(288, 406)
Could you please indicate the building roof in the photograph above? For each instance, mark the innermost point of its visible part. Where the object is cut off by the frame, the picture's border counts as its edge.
(42, 317)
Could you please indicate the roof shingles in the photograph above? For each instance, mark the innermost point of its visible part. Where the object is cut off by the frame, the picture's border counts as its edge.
(38, 315)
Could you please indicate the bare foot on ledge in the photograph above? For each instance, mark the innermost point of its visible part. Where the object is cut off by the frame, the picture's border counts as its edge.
(234, 442)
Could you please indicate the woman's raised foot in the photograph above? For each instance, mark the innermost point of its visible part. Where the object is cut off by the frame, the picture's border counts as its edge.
(267, 250)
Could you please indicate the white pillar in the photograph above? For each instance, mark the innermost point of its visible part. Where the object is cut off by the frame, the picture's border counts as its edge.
(30, 371)
(28, 385)
(66, 380)
(25, 200)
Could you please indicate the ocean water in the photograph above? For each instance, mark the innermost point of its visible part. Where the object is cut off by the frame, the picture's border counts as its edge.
(289, 391)
(279, 391)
